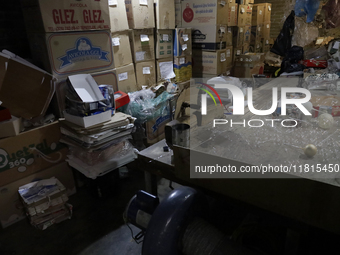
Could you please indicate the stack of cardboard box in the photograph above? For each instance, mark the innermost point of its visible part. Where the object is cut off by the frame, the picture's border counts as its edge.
(165, 25)
(208, 20)
(140, 14)
(251, 38)
(124, 69)
(45, 202)
(242, 30)
(183, 54)
(260, 31)
(69, 38)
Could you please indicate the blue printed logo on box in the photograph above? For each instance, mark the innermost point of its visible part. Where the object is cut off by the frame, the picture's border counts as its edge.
(83, 50)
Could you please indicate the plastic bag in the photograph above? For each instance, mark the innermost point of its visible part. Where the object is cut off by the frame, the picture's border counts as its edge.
(144, 106)
(304, 33)
(290, 62)
(284, 41)
(307, 7)
(332, 13)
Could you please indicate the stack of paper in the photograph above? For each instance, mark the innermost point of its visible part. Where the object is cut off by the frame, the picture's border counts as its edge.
(45, 202)
(96, 150)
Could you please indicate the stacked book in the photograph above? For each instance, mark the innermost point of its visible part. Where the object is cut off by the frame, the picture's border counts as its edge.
(99, 149)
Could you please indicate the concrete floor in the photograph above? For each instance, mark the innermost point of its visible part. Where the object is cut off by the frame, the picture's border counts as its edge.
(97, 225)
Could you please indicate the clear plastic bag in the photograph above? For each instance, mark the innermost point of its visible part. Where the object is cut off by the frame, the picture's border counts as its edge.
(145, 106)
(304, 33)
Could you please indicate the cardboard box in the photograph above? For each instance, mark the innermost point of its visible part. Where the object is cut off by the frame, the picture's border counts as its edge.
(248, 64)
(182, 42)
(65, 54)
(238, 51)
(246, 48)
(142, 44)
(229, 36)
(165, 14)
(178, 15)
(210, 62)
(229, 56)
(121, 48)
(85, 90)
(232, 14)
(244, 15)
(266, 30)
(140, 13)
(155, 128)
(238, 36)
(25, 89)
(204, 12)
(267, 11)
(266, 46)
(247, 35)
(11, 206)
(146, 73)
(165, 69)
(11, 127)
(165, 43)
(246, 1)
(126, 78)
(256, 34)
(60, 16)
(88, 121)
(102, 78)
(210, 37)
(257, 46)
(183, 68)
(30, 152)
(118, 16)
(257, 15)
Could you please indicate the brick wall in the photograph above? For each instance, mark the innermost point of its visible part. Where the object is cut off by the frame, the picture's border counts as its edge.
(13, 35)
(280, 11)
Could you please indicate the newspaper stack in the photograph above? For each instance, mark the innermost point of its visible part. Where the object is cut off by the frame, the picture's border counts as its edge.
(99, 149)
(45, 202)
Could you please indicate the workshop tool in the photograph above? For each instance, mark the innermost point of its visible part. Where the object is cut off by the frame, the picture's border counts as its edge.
(177, 225)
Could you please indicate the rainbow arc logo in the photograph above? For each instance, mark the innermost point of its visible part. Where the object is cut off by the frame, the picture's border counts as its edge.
(209, 93)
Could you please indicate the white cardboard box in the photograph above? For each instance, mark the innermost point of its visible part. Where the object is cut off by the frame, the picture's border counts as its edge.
(102, 78)
(204, 12)
(209, 37)
(90, 120)
(87, 90)
(10, 127)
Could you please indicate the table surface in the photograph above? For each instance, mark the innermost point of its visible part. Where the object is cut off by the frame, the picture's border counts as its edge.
(310, 199)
